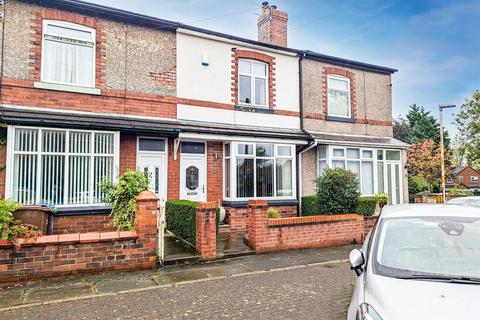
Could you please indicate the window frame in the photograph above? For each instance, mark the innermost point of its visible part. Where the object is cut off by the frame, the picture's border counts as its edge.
(252, 82)
(38, 153)
(233, 170)
(460, 179)
(348, 91)
(74, 26)
(474, 179)
(376, 162)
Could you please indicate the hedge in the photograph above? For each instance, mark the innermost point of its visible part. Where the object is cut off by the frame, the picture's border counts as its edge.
(366, 205)
(310, 206)
(180, 216)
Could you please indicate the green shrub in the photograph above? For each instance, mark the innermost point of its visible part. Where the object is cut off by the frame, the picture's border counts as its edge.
(337, 190)
(181, 219)
(122, 197)
(310, 206)
(382, 199)
(11, 229)
(273, 213)
(366, 205)
(457, 192)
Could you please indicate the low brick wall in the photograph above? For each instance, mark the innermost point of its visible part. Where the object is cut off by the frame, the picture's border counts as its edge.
(237, 218)
(99, 222)
(206, 230)
(266, 234)
(65, 254)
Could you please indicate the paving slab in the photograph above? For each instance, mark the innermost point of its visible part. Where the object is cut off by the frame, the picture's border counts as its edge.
(58, 292)
(116, 285)
(11, 298)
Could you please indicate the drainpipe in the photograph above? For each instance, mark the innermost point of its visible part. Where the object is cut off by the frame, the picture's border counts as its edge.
(311, 139)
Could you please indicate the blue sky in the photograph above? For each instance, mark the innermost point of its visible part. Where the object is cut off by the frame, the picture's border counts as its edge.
(435, 44)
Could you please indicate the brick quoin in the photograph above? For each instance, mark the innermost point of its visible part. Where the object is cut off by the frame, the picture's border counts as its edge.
(215, 171)
(254, 55)
(266, 234)
(206, 230)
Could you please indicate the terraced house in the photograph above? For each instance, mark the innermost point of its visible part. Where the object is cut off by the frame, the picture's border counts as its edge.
(89, 91)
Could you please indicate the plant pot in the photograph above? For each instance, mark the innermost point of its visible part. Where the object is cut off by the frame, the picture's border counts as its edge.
(34, 215)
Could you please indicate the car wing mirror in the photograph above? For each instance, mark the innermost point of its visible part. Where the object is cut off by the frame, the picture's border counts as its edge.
(357, 260)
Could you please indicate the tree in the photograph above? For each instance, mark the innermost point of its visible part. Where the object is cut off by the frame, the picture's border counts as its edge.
(468, 136)
(401, 129)
(423, 126)
(425, 161)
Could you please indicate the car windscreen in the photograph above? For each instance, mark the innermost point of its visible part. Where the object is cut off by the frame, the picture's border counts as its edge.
(444, 246)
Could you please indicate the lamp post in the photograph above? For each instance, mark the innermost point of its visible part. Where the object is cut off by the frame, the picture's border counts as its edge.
(442, 147)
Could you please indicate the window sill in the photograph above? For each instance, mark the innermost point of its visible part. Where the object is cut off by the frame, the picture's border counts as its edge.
(64, 87)
(340, 119)
(254, 109)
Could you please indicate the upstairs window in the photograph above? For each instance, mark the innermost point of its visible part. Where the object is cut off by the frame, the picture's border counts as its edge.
(339, 97)
(460, 179)
(68, 54)
(474, 179)
(252, 82)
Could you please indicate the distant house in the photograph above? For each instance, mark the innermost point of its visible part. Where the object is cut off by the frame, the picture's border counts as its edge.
(463, 177)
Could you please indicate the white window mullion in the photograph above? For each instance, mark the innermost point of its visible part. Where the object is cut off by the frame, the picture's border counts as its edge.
(91, 158)
(66, 167)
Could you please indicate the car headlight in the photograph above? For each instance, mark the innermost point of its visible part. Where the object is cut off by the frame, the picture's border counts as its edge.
(366, 312)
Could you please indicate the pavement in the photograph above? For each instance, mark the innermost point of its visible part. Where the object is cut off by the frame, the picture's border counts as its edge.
(302, 284)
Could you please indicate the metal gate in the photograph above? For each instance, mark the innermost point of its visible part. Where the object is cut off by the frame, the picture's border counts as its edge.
(161, 231)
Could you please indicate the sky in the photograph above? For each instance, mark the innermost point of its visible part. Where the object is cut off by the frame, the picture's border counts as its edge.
(433, 43)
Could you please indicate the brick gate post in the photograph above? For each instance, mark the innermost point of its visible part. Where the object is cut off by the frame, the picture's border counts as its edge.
(257, 223)
(206, 230)
(146, 226)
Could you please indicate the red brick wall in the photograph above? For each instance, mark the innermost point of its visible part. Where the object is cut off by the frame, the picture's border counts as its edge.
(215, 171)
(206, 230)
(83, 223)
(128, 152)
(80, 253)
(266, 234)
(173, 192)
(237, 218)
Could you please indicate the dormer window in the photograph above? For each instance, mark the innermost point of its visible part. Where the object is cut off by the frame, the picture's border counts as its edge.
(339, 97)
(68, 54)
(252, 83)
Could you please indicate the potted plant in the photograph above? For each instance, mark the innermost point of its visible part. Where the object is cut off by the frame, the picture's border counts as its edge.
(12, 229)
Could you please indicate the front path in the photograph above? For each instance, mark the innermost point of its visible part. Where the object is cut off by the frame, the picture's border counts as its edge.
(308, 284)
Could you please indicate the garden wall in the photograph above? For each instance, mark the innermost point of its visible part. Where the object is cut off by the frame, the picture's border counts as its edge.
(65, 254)
(81, 223)
(266, 234)
(237, 218)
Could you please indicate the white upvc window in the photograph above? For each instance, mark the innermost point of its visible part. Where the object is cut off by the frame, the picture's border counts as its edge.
(259, 170)
(339, 96)
(460, 178)
(60, 167)
(68, 54)
(474, 179)
(253, 83)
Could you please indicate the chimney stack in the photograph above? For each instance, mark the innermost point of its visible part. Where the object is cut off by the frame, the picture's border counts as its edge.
(272, 25)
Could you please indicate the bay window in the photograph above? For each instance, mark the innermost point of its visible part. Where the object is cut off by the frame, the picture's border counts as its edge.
(369, 164)
(252, 82)
(68, 54)
(60, 167)
(260, 170)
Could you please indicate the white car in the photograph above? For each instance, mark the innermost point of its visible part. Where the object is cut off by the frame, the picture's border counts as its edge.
(419, 262)
(472, 201)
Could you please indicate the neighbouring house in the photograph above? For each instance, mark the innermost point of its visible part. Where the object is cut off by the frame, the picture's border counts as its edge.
(463, 177)
(89, 91)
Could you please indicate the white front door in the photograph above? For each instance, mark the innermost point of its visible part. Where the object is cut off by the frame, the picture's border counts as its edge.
(193, 178)
(154, 165)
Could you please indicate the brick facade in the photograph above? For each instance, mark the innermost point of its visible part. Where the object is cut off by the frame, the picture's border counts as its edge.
(215, 171)
(173, 192)
(463, 179)
(254, 55)
(81, 253)
(206, 230)
(128, 152)
(83, 223)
